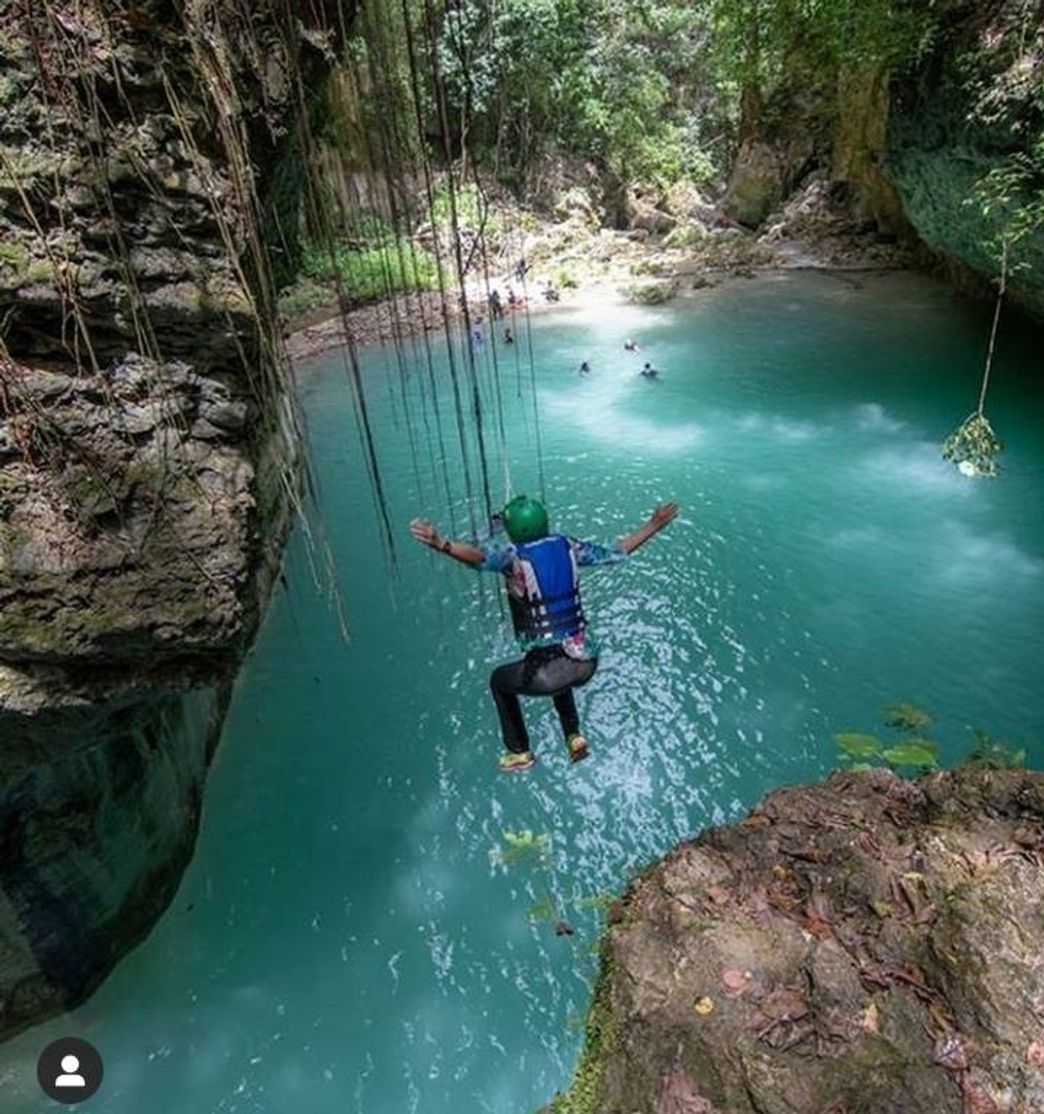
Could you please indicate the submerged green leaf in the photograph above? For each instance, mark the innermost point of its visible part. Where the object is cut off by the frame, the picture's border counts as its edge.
(907, 716)
(544, 910)
(910, 754)
(522, 847)
(858, 745)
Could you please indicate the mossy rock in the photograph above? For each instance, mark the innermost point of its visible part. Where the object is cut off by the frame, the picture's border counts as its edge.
(686, 236)
(652, 293)
(586, 1094)
(14, 263)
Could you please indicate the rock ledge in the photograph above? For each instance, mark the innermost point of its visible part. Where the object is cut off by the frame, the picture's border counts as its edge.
(865, 944)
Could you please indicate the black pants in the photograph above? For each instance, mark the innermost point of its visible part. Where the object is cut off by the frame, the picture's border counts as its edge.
(544, 672)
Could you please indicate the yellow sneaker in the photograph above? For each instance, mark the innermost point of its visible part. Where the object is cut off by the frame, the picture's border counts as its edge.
(512, 763)
(578, 748)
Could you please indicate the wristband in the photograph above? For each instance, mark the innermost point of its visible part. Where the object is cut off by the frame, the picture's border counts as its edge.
(447, 546)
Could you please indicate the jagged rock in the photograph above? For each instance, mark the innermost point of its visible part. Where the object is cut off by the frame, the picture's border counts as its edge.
(648, 218)
(867, 944)
(228, 416)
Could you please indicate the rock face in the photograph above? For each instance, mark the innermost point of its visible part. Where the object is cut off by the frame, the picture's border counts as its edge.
(147, 444)
(976, 110)
(913, 156)
(867, 944)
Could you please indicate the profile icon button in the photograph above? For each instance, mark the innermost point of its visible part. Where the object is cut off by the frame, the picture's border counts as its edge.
(69, 1070)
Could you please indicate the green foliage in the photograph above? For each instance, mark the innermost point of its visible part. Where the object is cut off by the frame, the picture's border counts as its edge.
(543, 910)
(907, 717)
(856, 745)
(921, 754)
(1003, 71)
(993, 754)
(605, 79)
(523, 848)
(651, 293)
(973, 447)
(912, 750)
(368, 273)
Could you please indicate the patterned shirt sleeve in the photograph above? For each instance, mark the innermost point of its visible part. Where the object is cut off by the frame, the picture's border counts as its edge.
(591, 553)
(496, 558)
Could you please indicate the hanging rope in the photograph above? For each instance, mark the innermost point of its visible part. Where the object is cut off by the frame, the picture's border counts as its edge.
(973, 446)
(993, 331)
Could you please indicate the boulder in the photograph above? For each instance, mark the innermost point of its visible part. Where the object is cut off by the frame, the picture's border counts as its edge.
(756, 185)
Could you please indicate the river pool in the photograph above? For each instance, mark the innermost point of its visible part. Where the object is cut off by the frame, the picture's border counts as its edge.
(366, 925)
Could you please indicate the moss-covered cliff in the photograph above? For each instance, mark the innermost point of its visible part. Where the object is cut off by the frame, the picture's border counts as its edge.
(967, 135)
(147, 442)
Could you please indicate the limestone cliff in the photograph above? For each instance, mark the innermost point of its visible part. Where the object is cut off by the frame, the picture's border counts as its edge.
(867, 945)
(914, 153)
(147, 443)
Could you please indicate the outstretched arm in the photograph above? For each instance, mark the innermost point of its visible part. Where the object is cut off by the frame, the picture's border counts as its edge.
(663, 516)
(425, 532)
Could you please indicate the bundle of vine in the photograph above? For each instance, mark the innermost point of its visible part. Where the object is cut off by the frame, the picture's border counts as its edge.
(973, 447)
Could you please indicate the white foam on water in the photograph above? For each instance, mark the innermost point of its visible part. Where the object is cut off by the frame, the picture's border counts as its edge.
(597, 415)
(917, 465)
(778, 427)
(873, 417)
(857, 537)
(963, 556)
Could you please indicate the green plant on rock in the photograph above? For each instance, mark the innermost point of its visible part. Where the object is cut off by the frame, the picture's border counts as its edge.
(651, 293)
(585, 1096)
(994, 754)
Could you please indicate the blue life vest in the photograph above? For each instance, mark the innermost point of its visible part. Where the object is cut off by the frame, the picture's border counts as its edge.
(550, 611)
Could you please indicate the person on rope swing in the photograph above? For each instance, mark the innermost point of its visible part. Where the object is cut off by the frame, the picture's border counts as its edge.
(541, 571)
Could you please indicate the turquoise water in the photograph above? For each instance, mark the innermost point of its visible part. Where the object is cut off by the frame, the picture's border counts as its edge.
(351, 936)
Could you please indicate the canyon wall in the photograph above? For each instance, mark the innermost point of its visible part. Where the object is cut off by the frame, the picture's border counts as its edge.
(150, 184)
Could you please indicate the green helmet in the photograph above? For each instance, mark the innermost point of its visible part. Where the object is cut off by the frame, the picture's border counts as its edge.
(525, 519)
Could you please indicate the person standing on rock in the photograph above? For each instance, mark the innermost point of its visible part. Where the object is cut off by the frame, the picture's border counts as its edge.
(541, 570)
